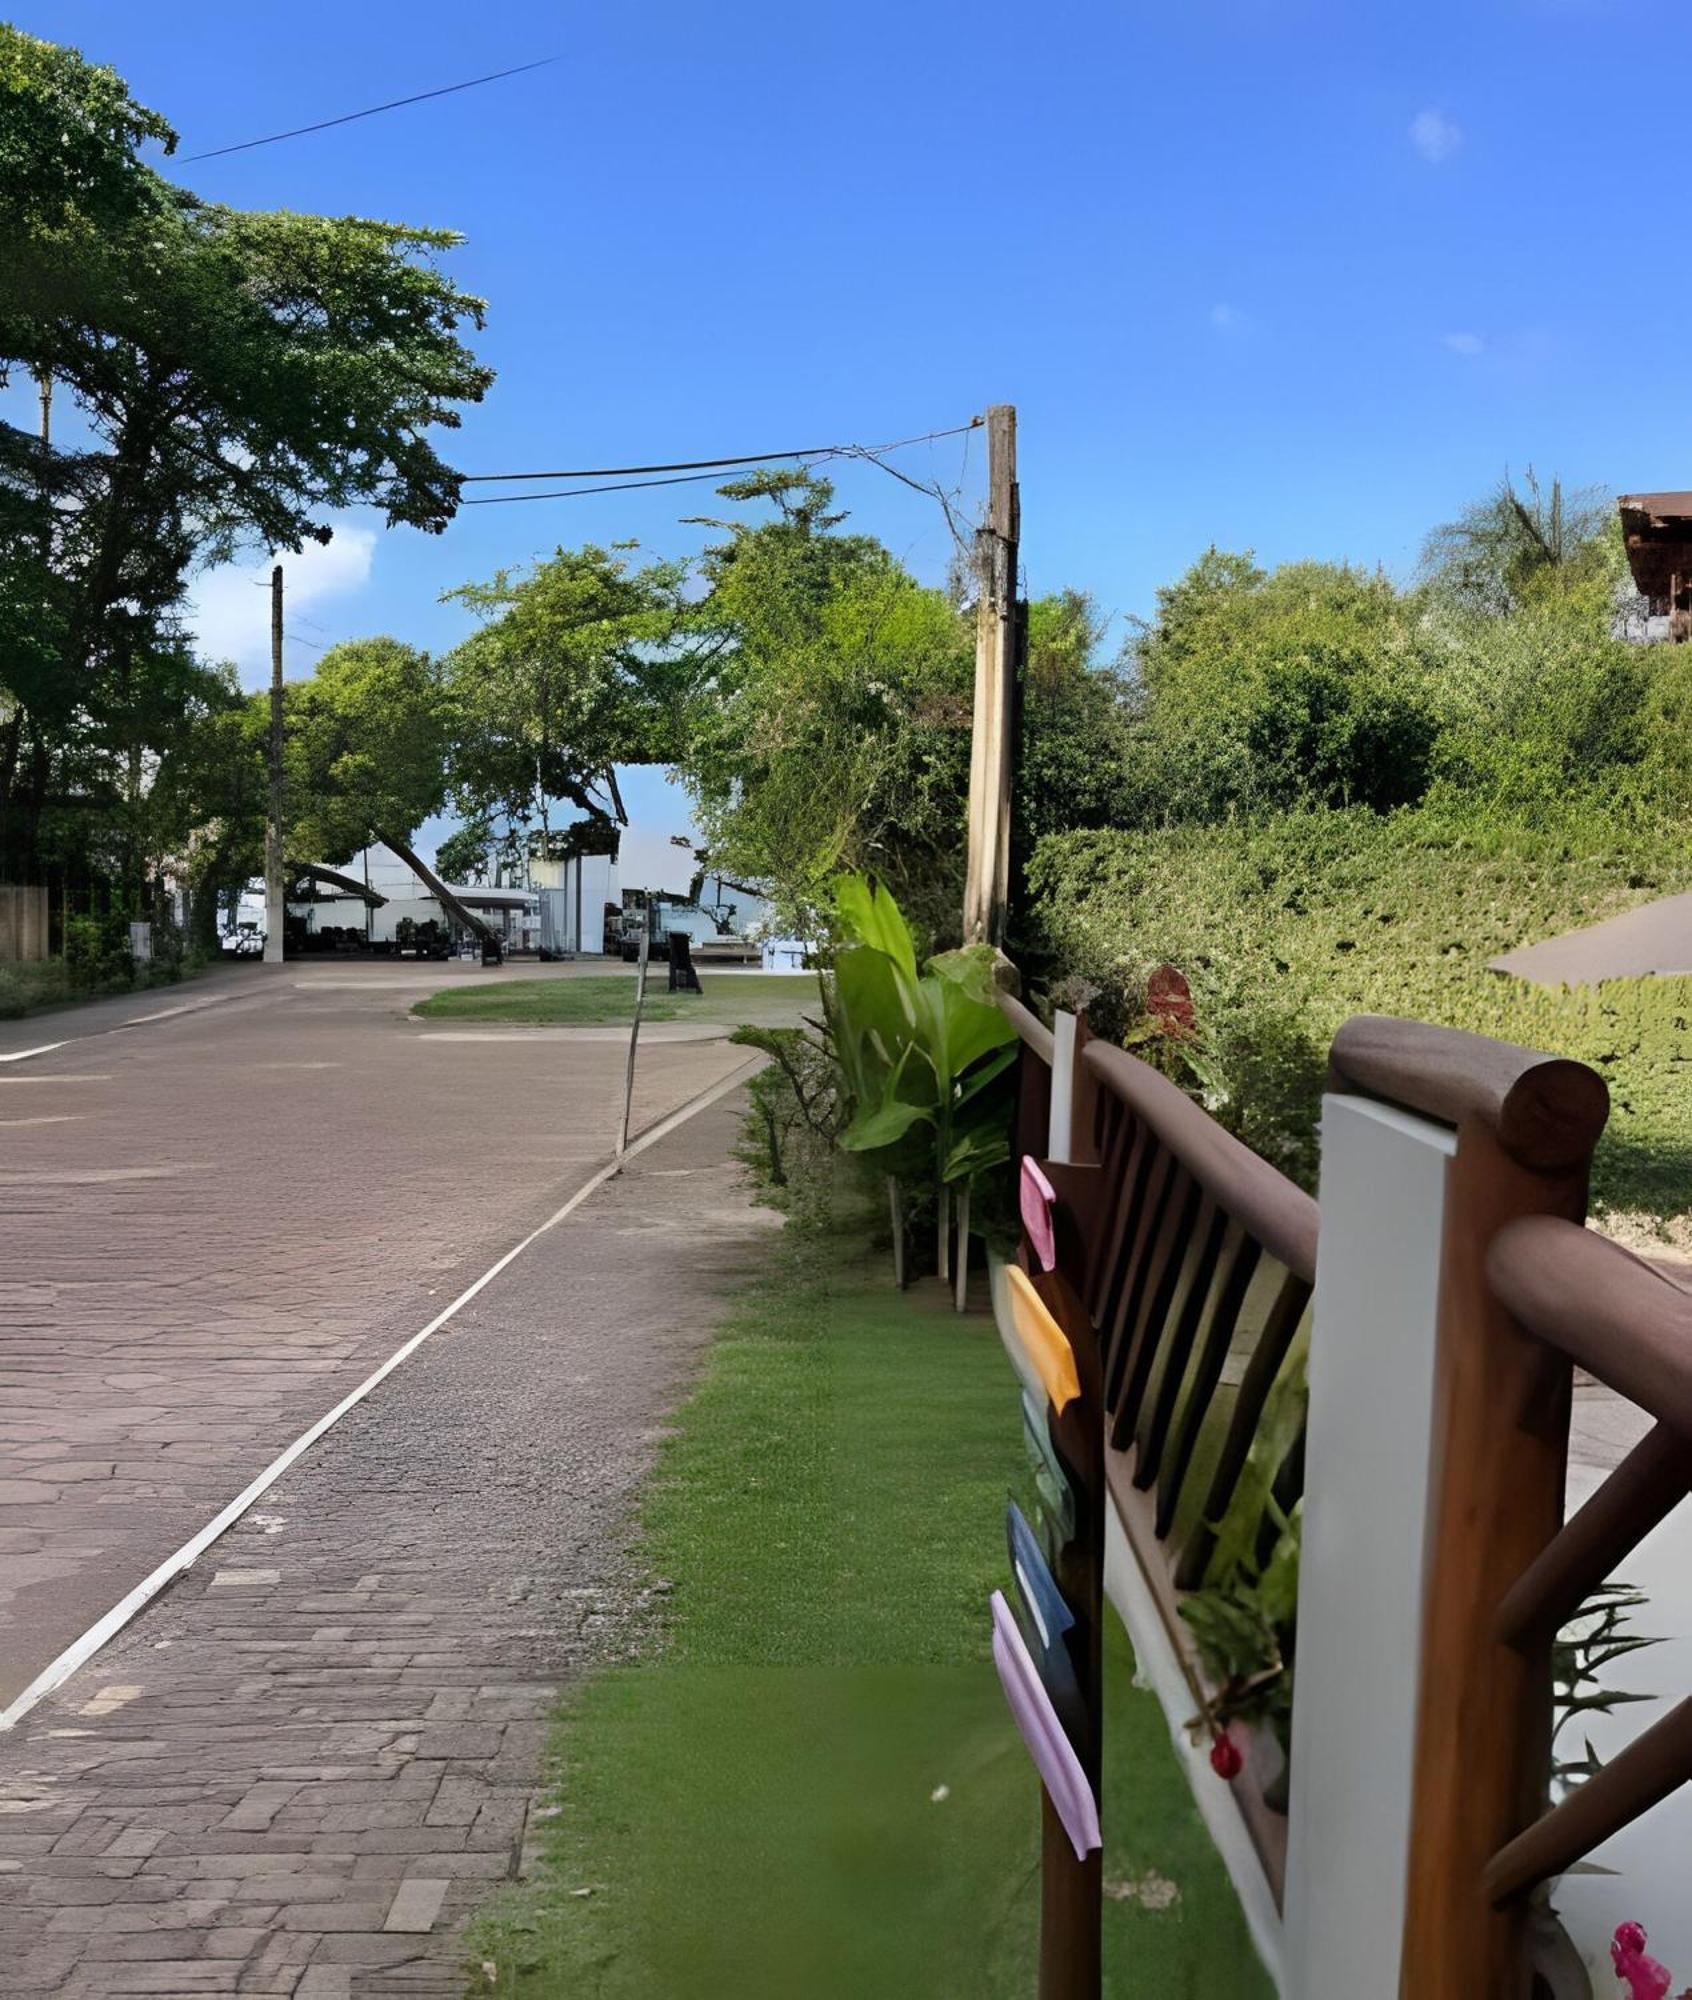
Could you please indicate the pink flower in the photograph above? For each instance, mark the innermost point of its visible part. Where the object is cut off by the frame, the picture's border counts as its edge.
(1647, 1978)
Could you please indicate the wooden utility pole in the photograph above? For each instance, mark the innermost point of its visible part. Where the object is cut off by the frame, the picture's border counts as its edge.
(998, 631)
(273, 906)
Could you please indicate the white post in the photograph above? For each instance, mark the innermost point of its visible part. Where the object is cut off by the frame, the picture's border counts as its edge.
(634, 1032)
(1368, 1477)
(1063, 1087)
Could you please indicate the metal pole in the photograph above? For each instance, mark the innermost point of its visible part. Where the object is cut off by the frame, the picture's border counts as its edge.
(273, 906)
(634, 1029)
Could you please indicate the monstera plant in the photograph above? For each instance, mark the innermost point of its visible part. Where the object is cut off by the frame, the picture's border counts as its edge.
(918, 1048)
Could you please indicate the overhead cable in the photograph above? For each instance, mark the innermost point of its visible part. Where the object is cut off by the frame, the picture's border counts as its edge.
(687, 471)
(351, 117)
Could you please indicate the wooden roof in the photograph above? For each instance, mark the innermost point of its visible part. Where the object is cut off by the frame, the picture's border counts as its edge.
(1657, 528)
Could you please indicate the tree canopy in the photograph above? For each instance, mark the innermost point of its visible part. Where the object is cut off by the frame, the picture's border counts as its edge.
(218, 379)
(1255, 691)
(827, 722)
(572, 671)
(366, 749)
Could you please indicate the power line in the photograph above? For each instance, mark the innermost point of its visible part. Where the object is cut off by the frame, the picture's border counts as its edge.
(579, 492)
(681, 465)
(351, 117)
(690, 467)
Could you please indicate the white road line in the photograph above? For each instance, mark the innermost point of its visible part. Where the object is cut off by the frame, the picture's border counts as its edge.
(136, 1021)
(82, 1650)
(169, 1013)
(18, 1082)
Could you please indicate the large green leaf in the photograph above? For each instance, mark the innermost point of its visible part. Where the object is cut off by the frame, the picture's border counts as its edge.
(1284, 1411)
(970, 967)
(957, 1029)
(869, 914)
(876, 1026)
(984, 1073)
(883, 1124)
(973, 1152)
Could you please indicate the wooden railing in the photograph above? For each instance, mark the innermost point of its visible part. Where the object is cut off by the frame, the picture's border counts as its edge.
(1446, 1331)
(1201, 1265)
(1191, 1264)
(1599, 1308)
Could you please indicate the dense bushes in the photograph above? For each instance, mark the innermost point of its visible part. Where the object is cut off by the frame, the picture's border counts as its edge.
(1258, 692)
(97, 954)
(1287, 925)
(1336, 796)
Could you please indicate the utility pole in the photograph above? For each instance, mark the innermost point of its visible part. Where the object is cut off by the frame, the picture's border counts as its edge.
(998, 637)
(273, 906)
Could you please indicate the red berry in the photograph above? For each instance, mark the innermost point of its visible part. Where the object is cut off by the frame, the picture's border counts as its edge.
(1225, 1758)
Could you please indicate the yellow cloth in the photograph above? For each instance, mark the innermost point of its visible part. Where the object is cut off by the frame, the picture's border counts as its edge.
(1043, 1341)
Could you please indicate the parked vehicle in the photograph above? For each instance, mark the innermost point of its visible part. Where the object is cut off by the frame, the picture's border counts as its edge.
(244, 941)
(429, 939)
(668, 914)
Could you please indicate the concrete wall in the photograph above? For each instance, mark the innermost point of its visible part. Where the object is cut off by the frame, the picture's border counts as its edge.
(23, 923)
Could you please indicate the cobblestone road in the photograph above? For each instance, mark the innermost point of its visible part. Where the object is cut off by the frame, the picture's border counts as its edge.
(213, 1225)
(300, 1768)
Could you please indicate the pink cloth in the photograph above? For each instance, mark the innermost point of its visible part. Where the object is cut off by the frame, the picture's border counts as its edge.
(1048, 1743)
(1038, 1195)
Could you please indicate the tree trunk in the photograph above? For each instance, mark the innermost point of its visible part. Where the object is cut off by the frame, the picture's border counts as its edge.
(437, 888)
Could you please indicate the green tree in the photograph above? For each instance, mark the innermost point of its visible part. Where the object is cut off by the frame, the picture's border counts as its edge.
(207, 802)
(366, 750)
(1072, 760)
(572, 672)
(462, 856)
(1255, 691)
(827, 724)
(1513, 546)
(234, 377)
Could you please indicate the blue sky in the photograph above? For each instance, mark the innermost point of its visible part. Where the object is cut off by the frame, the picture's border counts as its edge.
(1282, 274)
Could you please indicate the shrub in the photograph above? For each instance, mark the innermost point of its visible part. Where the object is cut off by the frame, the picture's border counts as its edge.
(1285, 927)
(97, 954)
(25, 988)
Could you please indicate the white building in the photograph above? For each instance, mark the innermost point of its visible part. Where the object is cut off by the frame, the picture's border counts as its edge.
(567, 907)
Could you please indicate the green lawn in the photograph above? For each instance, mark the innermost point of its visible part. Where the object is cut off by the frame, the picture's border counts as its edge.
(813, 1787)
(755, 999)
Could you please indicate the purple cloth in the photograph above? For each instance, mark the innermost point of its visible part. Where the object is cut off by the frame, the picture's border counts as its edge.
(1054, 1757)
(1038, 1195)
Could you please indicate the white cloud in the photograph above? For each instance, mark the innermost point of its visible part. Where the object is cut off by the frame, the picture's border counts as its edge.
(1436, 137)
(1226, 318)
(230, 614)
(1463, 343)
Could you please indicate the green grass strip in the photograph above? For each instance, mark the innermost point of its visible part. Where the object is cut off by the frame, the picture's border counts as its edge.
(814, 1787)
(755, 998)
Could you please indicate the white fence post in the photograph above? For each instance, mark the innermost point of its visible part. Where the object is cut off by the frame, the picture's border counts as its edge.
(1061, 1138)
(1368, 1478)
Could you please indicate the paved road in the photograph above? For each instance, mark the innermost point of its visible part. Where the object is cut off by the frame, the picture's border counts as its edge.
(301, 1767)
(1656, 938)
(214, 1224)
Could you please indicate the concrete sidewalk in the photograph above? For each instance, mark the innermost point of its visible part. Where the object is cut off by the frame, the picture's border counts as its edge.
(300, 1769)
